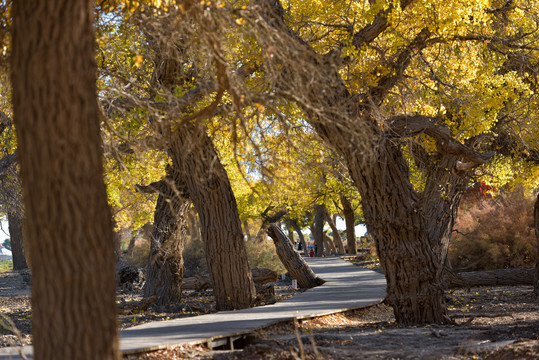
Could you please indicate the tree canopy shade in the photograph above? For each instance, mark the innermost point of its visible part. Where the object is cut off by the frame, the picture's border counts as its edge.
(70, 230)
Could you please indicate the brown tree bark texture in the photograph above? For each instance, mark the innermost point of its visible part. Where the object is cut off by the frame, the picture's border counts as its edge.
(292, 261)
(209, 188)
(68, 222)
(165, 261)
(14, 219)
(318, 229)
(536, 223)
(350, 220)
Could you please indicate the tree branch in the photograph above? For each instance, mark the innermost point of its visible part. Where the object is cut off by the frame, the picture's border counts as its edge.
(408, 126)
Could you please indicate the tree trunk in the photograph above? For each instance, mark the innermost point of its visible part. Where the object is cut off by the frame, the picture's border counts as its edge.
(165, 261)
(350, 220)
(411, 230)
(209, 188)
(329, 245)
(193, 154)
(292, 261)
(67, 219)
(336, 236)
(536, 223)
(294, 224)
(318, 229)
(14, 218)
(500, 277)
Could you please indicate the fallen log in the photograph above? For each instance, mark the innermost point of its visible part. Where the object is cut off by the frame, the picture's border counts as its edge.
(499, 277)
(261, 276)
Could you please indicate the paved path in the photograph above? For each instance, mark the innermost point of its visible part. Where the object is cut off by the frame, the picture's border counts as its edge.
(348, 287)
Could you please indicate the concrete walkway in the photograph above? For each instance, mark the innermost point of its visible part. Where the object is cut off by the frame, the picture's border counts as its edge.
(348, 287)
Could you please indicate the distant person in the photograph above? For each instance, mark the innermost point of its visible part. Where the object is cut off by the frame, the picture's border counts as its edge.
(311, 254)
(300, 248)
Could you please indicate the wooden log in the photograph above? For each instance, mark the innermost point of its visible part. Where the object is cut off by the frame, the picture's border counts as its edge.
(261, 276)
(498, 277)
(292, 261)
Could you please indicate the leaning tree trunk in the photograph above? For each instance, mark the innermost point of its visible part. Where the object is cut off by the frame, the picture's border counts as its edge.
(292, 261)
(165, 261)
(209, 188)
(336, 236)
(317, 229)
(67, 219)
(329, 245)
(350, 220)
(14, 218)
(536, 223)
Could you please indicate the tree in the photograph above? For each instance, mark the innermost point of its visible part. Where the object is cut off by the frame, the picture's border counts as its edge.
(184, 136)
(536, 224)
(165, 261)
(385, 101)
(68, 223)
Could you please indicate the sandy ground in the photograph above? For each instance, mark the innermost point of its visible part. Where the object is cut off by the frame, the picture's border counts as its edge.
(490, 323)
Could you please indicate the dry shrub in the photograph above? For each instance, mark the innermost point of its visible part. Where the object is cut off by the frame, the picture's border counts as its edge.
(263, 254)
(494, 234)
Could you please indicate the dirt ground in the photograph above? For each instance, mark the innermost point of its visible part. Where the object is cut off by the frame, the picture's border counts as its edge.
(490, 323)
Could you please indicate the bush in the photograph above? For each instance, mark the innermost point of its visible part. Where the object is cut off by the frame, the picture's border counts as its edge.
(494, 234)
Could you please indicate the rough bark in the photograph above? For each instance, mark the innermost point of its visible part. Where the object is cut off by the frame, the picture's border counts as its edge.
(194, 156)
(336, 235)
(14, 218)
(67, 219)
(318, 229)
(294, 225)
(165, 261)
(350, 220)
(292, 261)
(209, 188)
(500, 277)
(536, 223)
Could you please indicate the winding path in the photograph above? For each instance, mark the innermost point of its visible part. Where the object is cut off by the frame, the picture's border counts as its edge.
(348, 287)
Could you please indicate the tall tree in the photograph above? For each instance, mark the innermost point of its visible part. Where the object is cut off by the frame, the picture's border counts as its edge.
(348, 82)
(536, 223)
(68, 223)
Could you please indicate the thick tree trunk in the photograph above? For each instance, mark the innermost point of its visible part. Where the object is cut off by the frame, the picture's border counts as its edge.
(350, 220)
(411, 230)
(536, 223)
(67, 219)
(14, 218)
(500, 277)
(318, 229)
(165, 261)
(209, 188)
(294, 225)
(336, 236)
(292, 261)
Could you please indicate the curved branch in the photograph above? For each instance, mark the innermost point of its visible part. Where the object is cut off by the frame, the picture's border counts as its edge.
(408, 126)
